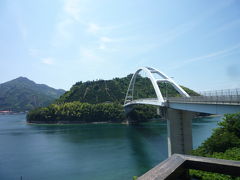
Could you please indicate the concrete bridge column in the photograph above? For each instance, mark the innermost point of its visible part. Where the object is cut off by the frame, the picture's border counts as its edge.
(179, 124)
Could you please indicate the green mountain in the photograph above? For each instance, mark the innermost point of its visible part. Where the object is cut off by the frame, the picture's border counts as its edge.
(114, 90)
(22, 94)
(101, 101)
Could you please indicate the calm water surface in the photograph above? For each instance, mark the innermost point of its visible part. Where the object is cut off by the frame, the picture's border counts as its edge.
(86, 151)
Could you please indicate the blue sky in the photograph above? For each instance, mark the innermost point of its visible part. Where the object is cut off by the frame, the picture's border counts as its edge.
(60, 42)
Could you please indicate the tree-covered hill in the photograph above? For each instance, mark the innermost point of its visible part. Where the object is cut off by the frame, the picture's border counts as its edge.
(22, 94)
(101, 101)
(114, 90)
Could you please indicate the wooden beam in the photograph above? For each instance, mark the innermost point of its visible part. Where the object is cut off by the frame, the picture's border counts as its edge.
(177, 166)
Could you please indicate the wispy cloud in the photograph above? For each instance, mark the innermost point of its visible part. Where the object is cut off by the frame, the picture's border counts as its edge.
(33, 52)
(48, 61)
(105, 41)
(211, 56)
(176, 32)
(70, 16)
(73, 19)
(18, 14)
(63, 32)
(72, 9)
(23, 29)
(225, 27)
(90, 56)
(93, 28)
(182, 29)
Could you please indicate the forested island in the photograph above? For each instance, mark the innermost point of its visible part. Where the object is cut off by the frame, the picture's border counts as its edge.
(101, 101)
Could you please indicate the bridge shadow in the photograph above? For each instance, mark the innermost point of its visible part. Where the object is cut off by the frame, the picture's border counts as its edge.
(141, 140)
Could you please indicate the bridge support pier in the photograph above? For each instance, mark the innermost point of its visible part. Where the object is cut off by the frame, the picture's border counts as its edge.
(179, 124)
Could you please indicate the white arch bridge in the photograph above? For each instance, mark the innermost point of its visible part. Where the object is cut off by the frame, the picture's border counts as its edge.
(181, 110)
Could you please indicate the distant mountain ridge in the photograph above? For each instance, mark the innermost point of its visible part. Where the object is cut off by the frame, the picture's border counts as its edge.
(22, 94)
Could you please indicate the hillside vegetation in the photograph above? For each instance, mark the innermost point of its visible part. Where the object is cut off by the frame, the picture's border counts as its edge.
(224, 143)
(115, 90)
(101, 101)
(22, 94)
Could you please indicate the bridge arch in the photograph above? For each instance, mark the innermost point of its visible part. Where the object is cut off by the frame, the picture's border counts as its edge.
(149, 72)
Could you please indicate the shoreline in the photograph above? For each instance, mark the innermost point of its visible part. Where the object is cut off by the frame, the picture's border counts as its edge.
(74, 123)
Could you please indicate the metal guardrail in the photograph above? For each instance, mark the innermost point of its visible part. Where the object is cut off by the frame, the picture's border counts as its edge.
(228, 96)
(224, 92)
(177, 166)
(207, 99)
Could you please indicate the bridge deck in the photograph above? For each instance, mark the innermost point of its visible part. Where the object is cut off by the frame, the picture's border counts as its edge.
(206, 104)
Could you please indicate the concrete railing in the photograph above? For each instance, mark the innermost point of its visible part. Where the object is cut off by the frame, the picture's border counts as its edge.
(177, 167)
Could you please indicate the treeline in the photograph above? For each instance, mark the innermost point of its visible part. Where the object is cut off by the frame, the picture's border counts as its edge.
(114, 90)
(102, 100)
(77, 112)
(224, 143)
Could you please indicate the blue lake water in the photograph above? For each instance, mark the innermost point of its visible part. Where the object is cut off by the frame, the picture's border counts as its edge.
(85, 151)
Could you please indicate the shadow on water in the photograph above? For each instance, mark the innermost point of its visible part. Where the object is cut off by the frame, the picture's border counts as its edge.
(142, 140)
(145, 143)
(138, 147)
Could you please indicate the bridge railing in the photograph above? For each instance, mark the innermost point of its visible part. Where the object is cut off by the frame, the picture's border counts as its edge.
(229, 96)
(224, 92)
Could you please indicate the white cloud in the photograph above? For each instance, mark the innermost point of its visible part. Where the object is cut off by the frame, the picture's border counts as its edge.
(225, 27)
(210, 56)
(23, 30)
(93, 28)
(70, 16)
(63, 28)
(48, 61)
(90, 56)
(19, 17)
(184, 28)
(72, 9)
(103, 41)
(106, 39)
(178, 31)
(33, 52)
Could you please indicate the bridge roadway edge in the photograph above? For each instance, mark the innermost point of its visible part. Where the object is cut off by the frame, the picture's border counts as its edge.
(211, 108)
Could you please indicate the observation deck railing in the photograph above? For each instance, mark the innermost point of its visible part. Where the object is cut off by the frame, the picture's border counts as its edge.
(177, 167)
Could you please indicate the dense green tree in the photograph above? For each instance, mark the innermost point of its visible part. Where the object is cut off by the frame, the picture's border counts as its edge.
(100, 101)
(114, 90)
(77, 112)
(142, 113)
(226, 136)
(224, 143)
